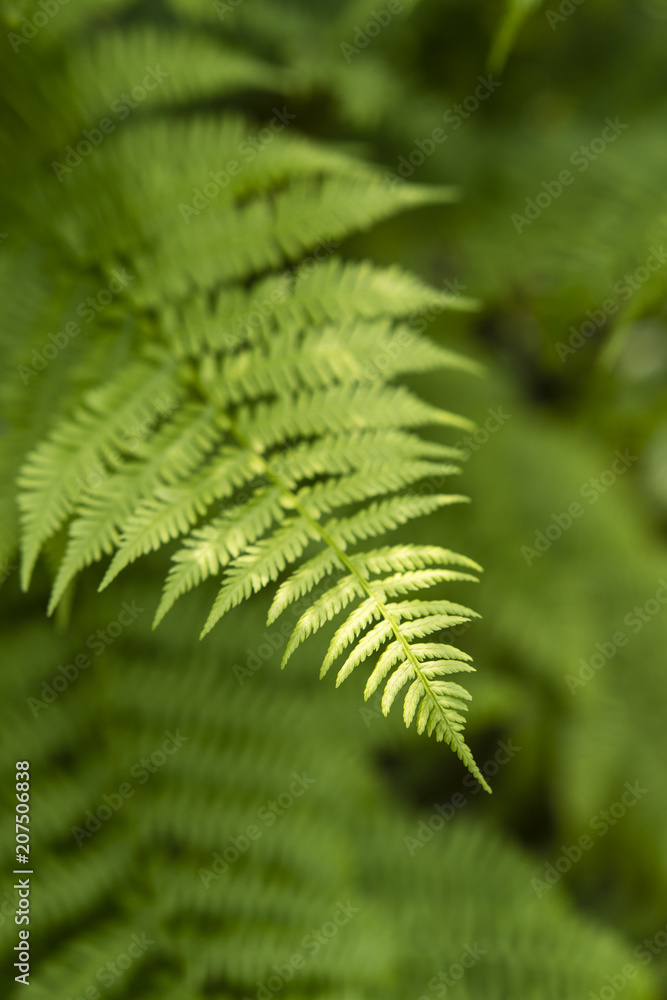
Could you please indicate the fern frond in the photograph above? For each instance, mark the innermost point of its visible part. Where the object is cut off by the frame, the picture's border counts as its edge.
(405, 557)
(58, 473)
(438, 710)
(207, 550)
(328, 356)
(265, 233)
(447, 612)
(341, 291)
(338, 454)
(171, 456)
(259, 565)
(288, 463)
(186, 67)
(380, 517)
(337, 410)
(325, 497)
(326, 291)
(283, 402)
(171, 511)
(303, 581)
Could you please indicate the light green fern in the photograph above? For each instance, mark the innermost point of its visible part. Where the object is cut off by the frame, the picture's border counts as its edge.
(255, 425)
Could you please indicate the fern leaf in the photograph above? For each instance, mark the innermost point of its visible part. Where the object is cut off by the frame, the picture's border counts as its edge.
(59, 472)
(341, 291)
(370, 643)
(186, 67)
(325, 497)
(339, 454)
(405, 557)
(259, 565)
(284, 406)
(209, 549)
(302, 581)
(172, 511)
(326, 607)
(177, 449)
(337, 410)
(327, 356)
(380, 517)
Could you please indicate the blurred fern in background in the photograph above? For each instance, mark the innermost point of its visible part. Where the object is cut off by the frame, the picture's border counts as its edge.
(254, 261)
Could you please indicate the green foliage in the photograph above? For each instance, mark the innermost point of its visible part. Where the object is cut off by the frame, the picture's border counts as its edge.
(516, 13)
(227, 872)
(251, 436)
(297, 413)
